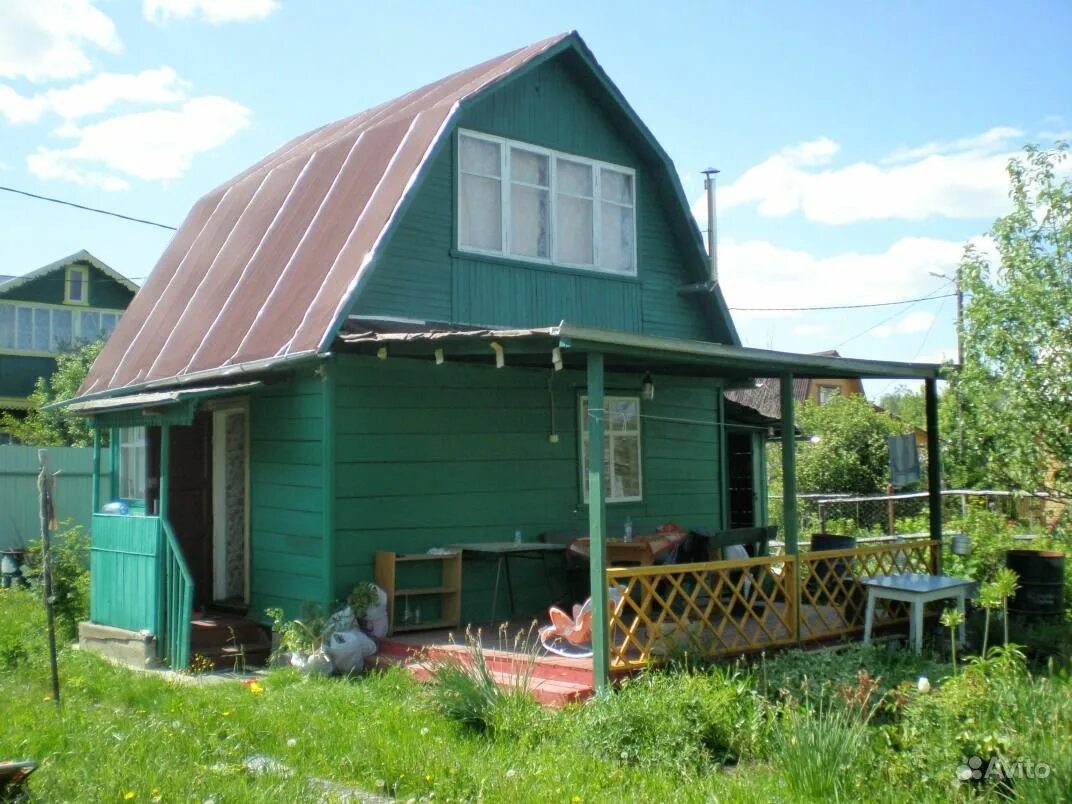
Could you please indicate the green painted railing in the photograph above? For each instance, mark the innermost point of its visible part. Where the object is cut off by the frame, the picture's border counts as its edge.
(176, 602)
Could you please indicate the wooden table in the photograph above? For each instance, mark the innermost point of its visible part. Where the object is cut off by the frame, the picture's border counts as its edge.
(500, 553)
(917, 590)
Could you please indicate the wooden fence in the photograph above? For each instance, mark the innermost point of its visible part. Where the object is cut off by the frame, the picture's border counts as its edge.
(724, 608)
(19, 524)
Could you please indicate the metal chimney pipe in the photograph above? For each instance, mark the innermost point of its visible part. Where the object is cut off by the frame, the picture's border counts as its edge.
(712, 228)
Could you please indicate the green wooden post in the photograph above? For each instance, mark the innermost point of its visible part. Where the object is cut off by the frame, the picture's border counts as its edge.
(165, 473)
(597, 523)
(789, 492)
(789, 468)
(95, 493)
(934, 470)
(113, 462)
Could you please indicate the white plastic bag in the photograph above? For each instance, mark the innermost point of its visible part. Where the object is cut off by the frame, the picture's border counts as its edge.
(342, 620)
(375, 619)
(348, 649)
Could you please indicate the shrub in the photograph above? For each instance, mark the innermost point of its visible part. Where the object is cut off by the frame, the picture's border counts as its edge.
(70, 578)
(675, 718)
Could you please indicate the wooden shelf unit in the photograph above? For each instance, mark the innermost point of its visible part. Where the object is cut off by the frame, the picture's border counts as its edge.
(449, 590)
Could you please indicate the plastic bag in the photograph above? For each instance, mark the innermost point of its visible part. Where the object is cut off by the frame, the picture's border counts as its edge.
(342, 620)
(375, 619)
(348, 649)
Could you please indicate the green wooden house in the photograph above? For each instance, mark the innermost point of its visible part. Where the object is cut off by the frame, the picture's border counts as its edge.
(421, 326)
(74, 300)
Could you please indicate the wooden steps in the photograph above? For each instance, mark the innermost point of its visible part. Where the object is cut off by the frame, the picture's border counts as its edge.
(553, 681)
(229, 641)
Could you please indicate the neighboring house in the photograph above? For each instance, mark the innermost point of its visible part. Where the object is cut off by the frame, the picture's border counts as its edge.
(394, 333)
(74, 300)
(764, 395)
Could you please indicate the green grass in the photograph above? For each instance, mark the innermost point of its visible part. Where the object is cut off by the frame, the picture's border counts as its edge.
(663, 738)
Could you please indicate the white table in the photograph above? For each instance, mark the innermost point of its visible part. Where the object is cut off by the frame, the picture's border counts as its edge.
(917, 590)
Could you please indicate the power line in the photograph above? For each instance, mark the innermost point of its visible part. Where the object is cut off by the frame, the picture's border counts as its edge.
(836, 306)
(934, 295)
(87, 209)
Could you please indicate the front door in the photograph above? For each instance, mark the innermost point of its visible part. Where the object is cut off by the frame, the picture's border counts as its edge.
(230, 505)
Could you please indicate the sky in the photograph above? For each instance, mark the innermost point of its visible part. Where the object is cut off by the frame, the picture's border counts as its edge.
(861, 145)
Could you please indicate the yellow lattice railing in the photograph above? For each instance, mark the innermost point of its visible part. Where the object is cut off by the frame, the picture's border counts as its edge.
(831, 598)
(711, 609)
(722, 608)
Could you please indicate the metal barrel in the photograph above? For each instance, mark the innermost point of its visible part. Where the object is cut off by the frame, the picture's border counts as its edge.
(1042, 574)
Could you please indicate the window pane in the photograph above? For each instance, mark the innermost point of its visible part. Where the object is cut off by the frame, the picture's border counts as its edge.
(75, 286)
(616, 187)
(90, 326)
(7, 326)
(529, 222)
(132, 463)
(574, 178)
(24, 332)
(107, 323)
(623, 414)
(61, 329)
(626, 451)
(41, 329)
(573, 231)
(480, 213)
(616, 243)
(529, 168)
(480, 156)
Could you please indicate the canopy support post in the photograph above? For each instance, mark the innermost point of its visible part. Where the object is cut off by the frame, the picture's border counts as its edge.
(934, 470)
(597, 523)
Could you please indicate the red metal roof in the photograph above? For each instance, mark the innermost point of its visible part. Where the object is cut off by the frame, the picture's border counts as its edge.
(263, 266)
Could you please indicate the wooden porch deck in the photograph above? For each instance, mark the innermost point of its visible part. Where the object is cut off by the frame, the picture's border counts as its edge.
(556, 680)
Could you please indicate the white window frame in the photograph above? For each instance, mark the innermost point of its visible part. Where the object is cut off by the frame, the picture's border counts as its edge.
(608, 440)
(504, 188)
(83, 273)
(77, 335)
(133, 441)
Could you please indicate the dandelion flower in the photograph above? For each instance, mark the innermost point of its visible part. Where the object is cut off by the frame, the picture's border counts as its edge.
(128, 795)
(292, 742)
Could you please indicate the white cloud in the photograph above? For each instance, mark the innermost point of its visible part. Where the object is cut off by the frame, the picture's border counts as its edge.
(908, 324)
(94, 96)
(42, 40)
(157, 145)
(215, 12)
(962, 179)
(756, 273)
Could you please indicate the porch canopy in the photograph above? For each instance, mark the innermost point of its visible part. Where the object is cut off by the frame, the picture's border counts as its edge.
(597, 351)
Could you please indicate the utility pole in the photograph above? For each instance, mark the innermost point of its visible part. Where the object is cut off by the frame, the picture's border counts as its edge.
(955, 279)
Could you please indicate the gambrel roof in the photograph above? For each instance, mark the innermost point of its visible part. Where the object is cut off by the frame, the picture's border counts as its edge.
(264, 268)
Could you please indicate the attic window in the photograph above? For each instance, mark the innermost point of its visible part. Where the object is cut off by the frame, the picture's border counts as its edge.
(75, 286)
(538, 205)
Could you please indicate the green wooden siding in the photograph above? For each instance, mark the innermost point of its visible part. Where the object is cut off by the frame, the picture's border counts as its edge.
(48, 289)
(420, 276)
(124, 572)
(431, 455)
(286, 502)
(19, 373)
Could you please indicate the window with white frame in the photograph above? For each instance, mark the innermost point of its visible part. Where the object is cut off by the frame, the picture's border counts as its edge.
(50, 330)
(132, 450)
(531, 203)
(621, 448)
(76, 285)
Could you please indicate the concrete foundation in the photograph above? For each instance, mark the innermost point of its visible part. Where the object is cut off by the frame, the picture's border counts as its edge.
(135, 648)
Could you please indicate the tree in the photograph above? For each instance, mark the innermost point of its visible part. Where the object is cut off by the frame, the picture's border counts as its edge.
(851, 455)
(1016, 383)
(56, 428)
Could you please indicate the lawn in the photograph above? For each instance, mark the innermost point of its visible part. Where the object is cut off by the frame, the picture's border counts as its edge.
(824, 726)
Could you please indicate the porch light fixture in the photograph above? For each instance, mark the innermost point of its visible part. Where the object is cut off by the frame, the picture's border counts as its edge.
(647, 388)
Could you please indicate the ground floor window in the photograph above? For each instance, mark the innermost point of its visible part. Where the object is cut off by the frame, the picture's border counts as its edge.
(621, 448)
(132, 451)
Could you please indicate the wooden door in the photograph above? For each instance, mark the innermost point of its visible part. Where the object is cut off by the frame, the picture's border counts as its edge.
(190, 507)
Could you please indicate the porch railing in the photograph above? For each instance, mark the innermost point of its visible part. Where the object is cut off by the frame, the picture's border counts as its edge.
(176, 602)
(724, 608)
